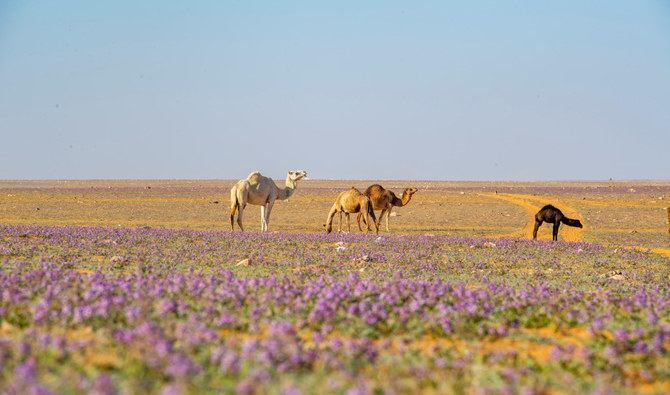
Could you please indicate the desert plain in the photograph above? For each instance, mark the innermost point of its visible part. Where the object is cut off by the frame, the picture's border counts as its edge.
(613, 212)
(139, 286)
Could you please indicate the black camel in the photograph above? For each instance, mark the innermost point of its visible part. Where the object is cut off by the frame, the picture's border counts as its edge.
(552, 215)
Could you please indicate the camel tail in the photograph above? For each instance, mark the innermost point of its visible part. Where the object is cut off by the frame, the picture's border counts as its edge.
(234, 204)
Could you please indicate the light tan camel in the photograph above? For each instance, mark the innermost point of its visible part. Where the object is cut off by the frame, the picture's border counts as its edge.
(260, 191)
(349, 202)
(385, 200)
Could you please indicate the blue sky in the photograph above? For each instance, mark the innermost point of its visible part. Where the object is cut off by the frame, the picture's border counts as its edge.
(476, 90)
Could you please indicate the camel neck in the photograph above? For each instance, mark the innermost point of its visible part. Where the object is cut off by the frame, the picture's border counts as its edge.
(403, 200)
(570, 221)
(283, 194)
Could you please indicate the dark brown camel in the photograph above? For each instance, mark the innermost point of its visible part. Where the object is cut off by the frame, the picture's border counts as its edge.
(384, 200)
(552, 215)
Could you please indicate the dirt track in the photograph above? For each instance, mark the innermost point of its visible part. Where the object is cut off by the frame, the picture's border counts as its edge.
(532, 205)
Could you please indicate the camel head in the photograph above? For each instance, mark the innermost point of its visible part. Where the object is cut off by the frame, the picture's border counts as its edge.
(407, 194)
(292, 181)
(296, 175)
(409, 191)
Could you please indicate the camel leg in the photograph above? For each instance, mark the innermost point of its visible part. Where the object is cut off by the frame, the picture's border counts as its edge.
(381, 216)
(375, 221)
(366, 221)
(348, 223)
(262, 218)
(268, 210)
(358, 220)
(240, 212)
(388, 214)
(339, 223)
(233, 208)
(537, 226)
(556, 226)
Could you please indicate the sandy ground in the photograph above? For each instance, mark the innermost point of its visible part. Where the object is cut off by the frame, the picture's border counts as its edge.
(628, 213)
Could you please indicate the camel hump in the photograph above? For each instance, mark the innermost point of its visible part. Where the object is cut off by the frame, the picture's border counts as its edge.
(548, 207)
(256, 177)
(374, 188)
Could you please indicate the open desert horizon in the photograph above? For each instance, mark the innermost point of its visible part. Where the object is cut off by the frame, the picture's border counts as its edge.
(630, 212)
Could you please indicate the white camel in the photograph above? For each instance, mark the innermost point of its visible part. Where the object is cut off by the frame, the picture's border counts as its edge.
(260, 191)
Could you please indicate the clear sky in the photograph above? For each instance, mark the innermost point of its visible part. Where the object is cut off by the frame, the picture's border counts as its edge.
(441, 90)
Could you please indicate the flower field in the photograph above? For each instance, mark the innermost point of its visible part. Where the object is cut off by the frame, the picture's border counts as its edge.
(150, 310)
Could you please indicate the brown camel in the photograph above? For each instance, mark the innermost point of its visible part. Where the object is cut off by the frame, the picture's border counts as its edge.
(260, 191)
(552, 215)
(385, 200)
(349, 202)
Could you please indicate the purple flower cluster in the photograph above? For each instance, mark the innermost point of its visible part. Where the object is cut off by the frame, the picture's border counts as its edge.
(175, 313)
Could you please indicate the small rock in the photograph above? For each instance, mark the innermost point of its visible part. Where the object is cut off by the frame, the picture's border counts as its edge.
(244, 262)
(489, 244)
(117, 259)
(365, 258)
(340, 249)
(614, 275)
(378, 239)
(340, 244)
(394, 214)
